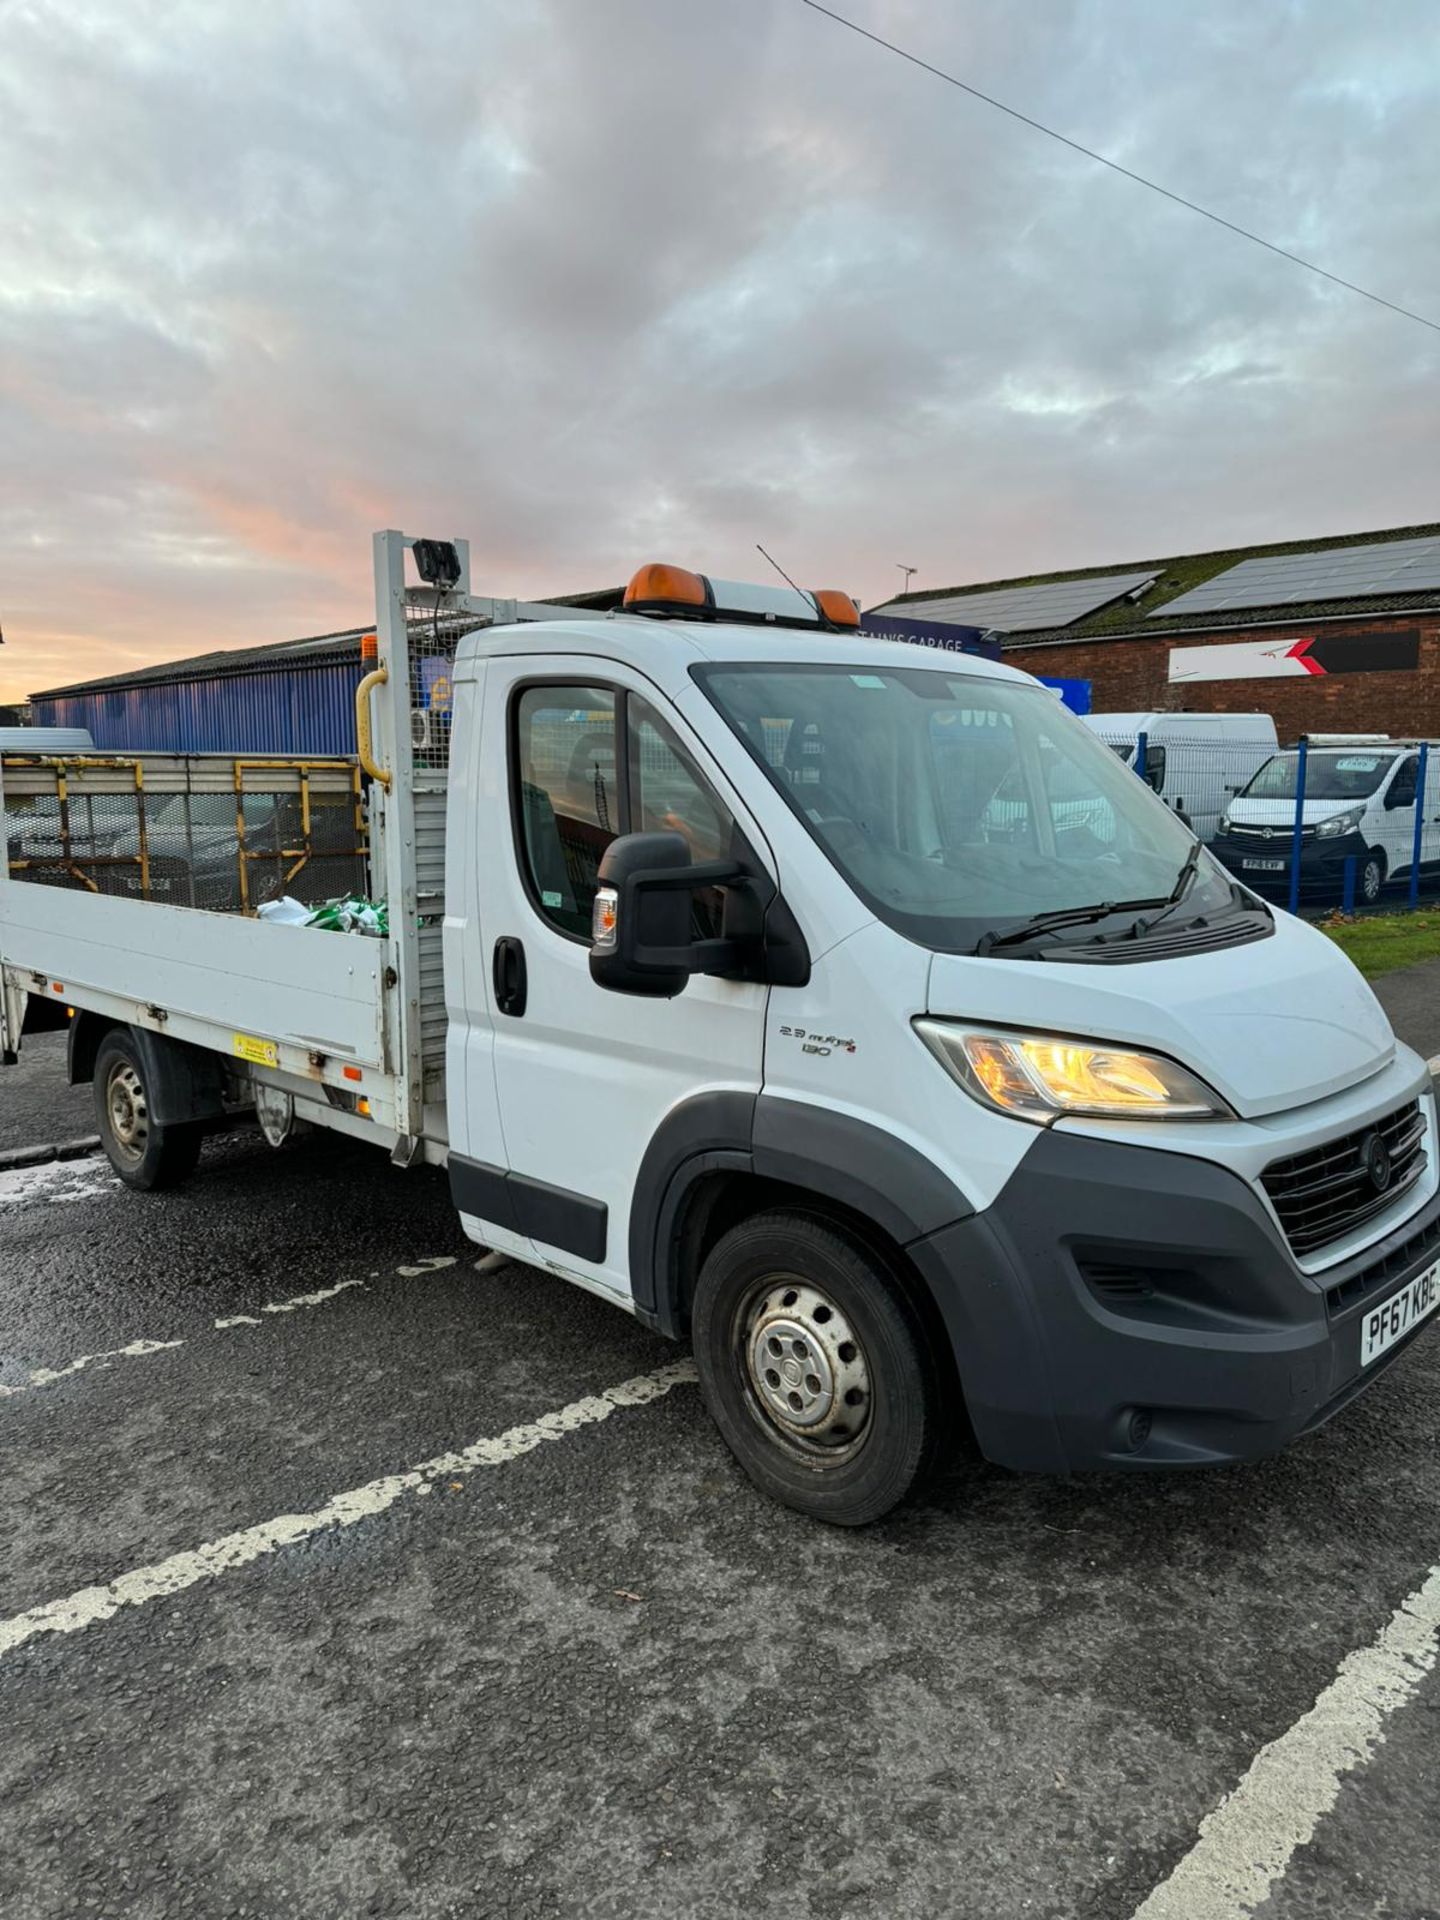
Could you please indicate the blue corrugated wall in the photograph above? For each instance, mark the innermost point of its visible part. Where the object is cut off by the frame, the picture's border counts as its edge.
(291, 710)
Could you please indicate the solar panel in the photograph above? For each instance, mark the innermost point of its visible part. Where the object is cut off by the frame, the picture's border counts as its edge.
(1340, 573)
(1024, 609)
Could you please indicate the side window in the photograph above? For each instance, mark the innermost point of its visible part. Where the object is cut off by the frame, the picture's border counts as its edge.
(568, 798)
(1402, 787)
(668, 794)
(667, 791)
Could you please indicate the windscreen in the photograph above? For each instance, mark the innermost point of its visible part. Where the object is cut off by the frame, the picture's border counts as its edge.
(1328, 776)
(956, 806)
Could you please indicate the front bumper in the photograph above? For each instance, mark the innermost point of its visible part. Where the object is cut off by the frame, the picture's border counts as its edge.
(1122, 1306)
(1322, 861)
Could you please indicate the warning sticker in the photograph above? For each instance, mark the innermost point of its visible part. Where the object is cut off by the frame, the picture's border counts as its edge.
(262, 1053)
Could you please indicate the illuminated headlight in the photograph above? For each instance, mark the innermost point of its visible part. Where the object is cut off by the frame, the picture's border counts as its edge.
(1340, 823)
(1044, 1076)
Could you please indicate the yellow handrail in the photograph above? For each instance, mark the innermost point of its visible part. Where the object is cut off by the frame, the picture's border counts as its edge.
(364, 743)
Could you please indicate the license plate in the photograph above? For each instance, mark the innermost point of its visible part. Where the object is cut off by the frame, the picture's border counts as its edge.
(1264, 866)
(1395, 1317)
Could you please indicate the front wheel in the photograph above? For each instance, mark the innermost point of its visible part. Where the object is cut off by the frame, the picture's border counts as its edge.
(145, 1154)
(1371, 878)
(815, 1367)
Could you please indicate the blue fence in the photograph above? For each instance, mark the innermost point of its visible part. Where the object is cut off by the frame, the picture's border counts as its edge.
(1326, 824)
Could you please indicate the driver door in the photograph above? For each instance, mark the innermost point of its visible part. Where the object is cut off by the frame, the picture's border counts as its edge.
(576, 751)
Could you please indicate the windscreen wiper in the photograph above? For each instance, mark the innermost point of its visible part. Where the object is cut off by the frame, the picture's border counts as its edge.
(1062, 917)
(1178, 891)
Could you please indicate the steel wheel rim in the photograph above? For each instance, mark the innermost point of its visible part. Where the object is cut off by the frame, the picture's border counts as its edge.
(804, 1368)
(127, 1110)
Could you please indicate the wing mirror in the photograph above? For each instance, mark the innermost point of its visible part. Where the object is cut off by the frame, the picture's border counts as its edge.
(642, 938)
(641, 930)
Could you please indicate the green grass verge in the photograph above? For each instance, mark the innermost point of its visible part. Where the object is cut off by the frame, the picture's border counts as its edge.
(1379, 943)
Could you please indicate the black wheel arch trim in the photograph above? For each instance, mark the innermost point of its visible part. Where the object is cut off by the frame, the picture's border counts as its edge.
(832, 1155)
(182, 1082)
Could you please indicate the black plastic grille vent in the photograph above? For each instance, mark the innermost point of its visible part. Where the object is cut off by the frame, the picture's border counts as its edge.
(1172, 944)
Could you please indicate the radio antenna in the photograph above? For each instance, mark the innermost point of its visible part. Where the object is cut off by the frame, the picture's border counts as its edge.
(810, 605)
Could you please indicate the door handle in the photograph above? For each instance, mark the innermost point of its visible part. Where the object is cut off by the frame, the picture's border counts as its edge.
(508, 973)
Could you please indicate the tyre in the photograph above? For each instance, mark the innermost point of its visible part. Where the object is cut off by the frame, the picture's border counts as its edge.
(815, 1367)
(1371, 878)
(145, 1154)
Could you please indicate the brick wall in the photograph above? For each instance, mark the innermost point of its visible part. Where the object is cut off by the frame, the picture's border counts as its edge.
(1128, 675)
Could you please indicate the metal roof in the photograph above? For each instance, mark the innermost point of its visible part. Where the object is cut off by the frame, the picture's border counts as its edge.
(231, 660)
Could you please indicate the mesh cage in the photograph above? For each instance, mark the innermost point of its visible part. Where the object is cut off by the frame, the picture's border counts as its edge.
(432, 636)
(207, 832)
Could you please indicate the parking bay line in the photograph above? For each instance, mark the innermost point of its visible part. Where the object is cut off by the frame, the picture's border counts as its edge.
(1246, 1844)
(90, 1605)
(142, 1349)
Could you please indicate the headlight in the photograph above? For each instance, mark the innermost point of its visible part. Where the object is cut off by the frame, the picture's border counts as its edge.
(1341, 823)
(1225, 821)
(1043, 1076)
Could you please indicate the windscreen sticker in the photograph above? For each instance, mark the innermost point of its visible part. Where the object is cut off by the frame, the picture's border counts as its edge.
(548, 899)
(1358, 763)
(868, 680)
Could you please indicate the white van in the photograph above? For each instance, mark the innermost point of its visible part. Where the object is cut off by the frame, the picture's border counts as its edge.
(1196, 762)
(1359, 801)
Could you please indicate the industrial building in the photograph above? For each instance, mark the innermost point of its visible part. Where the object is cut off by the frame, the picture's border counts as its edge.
(1335, 635)
(292, 698)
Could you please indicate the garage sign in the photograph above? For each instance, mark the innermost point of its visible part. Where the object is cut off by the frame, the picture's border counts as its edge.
(1308, 655)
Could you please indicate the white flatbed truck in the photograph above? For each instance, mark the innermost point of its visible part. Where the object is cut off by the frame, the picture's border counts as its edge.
(841, 1006)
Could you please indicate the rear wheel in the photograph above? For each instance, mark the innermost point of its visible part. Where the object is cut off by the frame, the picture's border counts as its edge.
(145, 1154)
(815, 1367)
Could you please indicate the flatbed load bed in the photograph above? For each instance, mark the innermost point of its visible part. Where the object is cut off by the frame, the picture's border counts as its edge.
(132, 883)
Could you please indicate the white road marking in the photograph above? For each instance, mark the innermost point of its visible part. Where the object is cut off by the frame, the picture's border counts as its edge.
(47, 1376)
(297, 1304)
(1246, 1844)
(139, 1349)
(90, 1605)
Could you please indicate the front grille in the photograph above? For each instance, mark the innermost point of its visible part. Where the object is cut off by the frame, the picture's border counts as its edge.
(1285, 835)
(1329, 1191)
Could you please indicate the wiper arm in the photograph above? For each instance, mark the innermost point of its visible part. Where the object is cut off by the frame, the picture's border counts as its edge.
(1061, 917)
(1178, 891)
(1182, 881)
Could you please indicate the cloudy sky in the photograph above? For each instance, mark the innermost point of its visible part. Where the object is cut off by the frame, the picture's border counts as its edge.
(594, 281)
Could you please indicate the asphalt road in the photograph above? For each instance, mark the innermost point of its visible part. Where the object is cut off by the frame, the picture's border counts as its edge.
(583, 1668)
